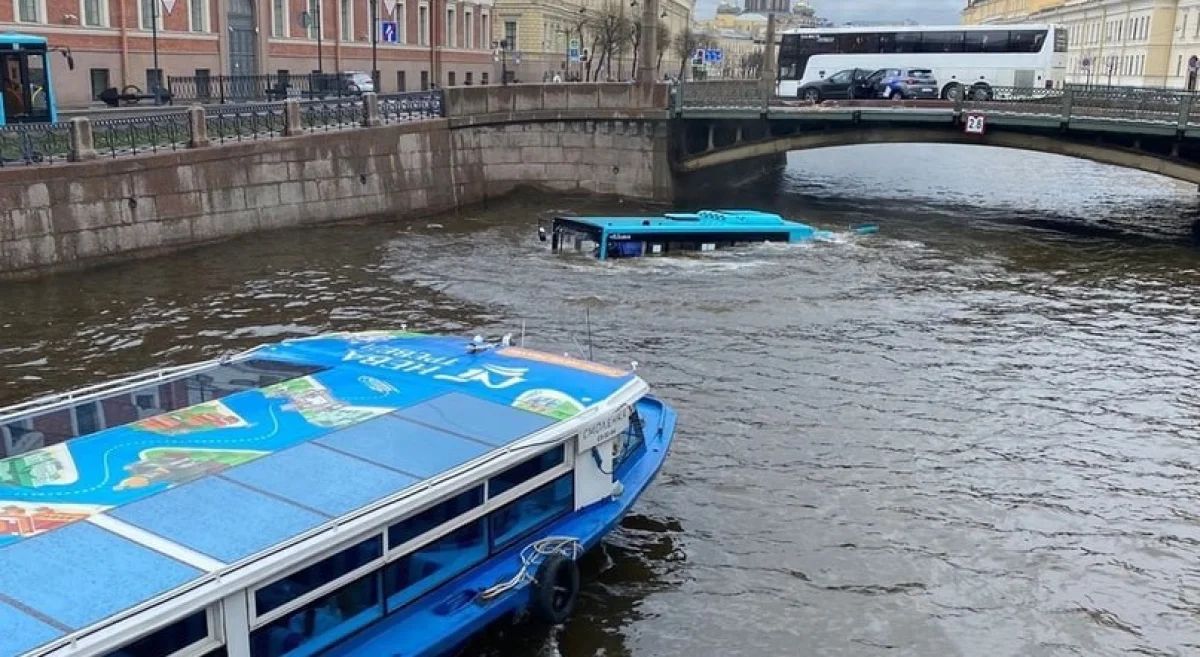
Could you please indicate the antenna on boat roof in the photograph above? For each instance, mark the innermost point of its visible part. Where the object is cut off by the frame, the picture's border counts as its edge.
(587, 319)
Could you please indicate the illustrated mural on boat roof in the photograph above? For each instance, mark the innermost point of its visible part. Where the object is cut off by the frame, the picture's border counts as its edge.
(354, 378)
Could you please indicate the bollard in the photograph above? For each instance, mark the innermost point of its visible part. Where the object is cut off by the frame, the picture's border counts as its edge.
(83, 146)
(198, 126)
(291, 118)
(371, 110)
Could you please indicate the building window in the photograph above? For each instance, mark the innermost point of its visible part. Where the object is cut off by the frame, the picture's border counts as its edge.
(94, 13)
(29, 11)
(199, 15)
(101, 80)
(467, 81)
(468, 31)
(149, 8)
(450, 79)
(451, 34)
(170, 639)
(423, 26)
(401, 24)
(424, 80)
(510, 34)
(304, 581)
(314, 17)
(487, 31)
(321, 623)
(483, 78)
(419, 572)
(511, 522)
(279, 19)
(401, 82)
(347, 20)
(434, 517)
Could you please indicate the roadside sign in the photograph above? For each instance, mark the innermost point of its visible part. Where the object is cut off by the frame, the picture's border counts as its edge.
(712, 56)
(1086, 63)
(388, 33)
(974, 124)
(698, 57)
(167, 5)
(573, 50)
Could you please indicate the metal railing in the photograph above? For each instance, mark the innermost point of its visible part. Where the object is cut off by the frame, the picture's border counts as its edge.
(1150, 106)
(260, 88)
(34, 143)
(199, 126)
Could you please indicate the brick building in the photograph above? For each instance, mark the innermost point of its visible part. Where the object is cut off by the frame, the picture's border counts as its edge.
(442, 41)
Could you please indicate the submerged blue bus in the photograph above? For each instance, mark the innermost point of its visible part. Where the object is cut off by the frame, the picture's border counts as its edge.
(25, 84)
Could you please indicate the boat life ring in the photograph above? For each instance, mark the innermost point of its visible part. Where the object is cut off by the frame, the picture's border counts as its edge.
(556, 589)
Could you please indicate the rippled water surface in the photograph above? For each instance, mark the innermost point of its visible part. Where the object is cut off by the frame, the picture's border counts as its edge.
(973, 433)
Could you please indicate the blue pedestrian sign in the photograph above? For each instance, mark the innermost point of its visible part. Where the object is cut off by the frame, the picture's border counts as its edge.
(712, 56)
(388, 32)
(573, 50)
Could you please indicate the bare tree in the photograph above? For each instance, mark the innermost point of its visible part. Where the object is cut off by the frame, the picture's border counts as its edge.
(686, 44)
(751, 63)
(611, 31)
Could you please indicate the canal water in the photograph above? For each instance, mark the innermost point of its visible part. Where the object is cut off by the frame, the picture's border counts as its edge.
(976, 432)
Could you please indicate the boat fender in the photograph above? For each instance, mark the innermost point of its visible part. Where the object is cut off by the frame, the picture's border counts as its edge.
(556, 589)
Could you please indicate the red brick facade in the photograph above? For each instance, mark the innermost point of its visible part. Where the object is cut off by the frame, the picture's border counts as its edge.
(111, 47)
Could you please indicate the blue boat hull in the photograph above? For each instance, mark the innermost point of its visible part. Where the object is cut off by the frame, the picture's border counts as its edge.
(448, 616)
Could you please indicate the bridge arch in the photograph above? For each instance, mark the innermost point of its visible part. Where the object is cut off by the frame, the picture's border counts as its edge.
(856, 135)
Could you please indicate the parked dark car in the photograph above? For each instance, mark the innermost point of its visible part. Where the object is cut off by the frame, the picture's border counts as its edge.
(905, 83)
(848, 84)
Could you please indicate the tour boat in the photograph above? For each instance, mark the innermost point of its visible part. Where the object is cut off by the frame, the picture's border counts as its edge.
(348, 494)
(673, 232)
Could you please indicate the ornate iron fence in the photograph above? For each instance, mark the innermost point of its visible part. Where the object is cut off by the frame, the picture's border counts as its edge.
(211, 89)
(142, 134)
(333, 114)
(242, 122)
(34, 143)
(411, 106)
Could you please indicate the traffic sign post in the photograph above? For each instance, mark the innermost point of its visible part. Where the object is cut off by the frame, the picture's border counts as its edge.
(389, 32)
(573, 51)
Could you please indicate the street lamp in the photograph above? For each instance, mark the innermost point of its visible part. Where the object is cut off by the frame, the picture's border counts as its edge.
(154, 45)
(375, 45)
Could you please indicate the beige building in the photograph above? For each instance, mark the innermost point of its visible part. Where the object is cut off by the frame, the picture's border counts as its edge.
(542, 31)
(1145, 43)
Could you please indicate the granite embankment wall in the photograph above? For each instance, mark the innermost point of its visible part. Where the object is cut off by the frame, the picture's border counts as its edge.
(598, 138)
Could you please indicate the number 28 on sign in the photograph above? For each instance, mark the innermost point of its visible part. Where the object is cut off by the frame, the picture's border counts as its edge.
(974, 124)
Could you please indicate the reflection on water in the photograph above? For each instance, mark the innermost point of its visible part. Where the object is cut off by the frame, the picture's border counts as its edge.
(973, 433)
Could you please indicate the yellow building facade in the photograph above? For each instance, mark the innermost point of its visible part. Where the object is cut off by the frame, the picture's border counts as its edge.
(1144, 43)
(540, 32)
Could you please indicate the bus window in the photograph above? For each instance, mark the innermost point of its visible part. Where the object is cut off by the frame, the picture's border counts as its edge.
(38, 95)
(989, 41)
(935, 42)
(1026, 40)
(908, 42)
(10, 86)
(858, 43)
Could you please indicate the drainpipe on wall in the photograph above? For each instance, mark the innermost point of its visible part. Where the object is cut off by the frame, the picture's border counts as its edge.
(433, 67)
(337, 41)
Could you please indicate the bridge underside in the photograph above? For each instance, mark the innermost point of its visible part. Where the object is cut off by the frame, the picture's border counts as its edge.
(702, 144)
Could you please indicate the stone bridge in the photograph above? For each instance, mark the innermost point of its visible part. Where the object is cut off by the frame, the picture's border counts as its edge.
(87, 191)
(723, 125)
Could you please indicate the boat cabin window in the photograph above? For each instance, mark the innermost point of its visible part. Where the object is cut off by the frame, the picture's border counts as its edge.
(422, 570)
(523, 472)
(171, 639)
(435, 516)
(301, 582)
(126, 407)
(629, 442)
(322, 622)
(511, 522)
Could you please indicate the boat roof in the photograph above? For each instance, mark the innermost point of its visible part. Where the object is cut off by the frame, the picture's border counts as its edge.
(23, 39)
(688, 222)
(100, 524)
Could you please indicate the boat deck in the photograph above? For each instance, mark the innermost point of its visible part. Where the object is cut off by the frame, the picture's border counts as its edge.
(135, 512)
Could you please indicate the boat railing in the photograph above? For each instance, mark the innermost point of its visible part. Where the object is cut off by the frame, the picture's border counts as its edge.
(49, 403)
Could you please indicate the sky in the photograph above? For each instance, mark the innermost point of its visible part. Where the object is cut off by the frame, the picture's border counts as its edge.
(939, 12)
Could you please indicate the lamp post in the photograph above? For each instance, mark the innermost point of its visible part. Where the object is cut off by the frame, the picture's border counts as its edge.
(320, 28)
(375, 45)
(154, 46)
